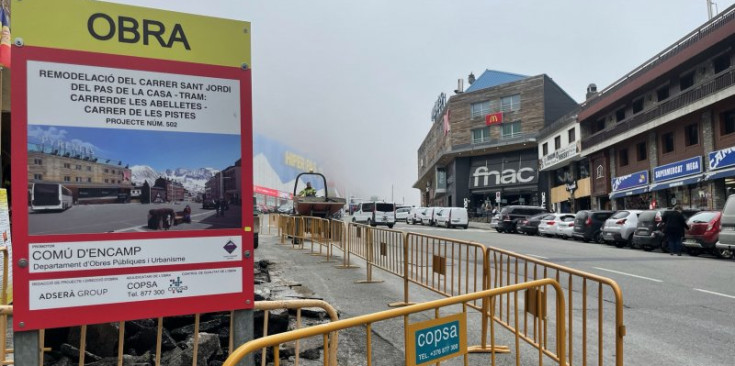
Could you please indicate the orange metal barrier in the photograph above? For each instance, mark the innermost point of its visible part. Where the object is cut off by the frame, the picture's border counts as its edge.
(585, 293)
(327, 331)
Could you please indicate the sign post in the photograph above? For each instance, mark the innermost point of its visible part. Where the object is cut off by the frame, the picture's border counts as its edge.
(436, 340)
(132, 87)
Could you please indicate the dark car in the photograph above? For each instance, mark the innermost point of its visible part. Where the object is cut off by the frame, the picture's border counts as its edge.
(703, 233)
(510, 216)
(588, 225)
(648, 234)
(209, 204)
(529, 226)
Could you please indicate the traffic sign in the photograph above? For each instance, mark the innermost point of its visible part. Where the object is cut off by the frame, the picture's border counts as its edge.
(497, 196)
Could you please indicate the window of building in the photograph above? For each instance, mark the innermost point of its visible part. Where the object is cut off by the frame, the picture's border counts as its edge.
(118, 181)
(89, 180)
(598, 126)
(557, 142)
(511, 103)
(38, 161)
(482, 109)
(642, 151)
(667, 142)
(545, 149)
(107, 181)
(511, 129)
(78, 167)
(67, 179)
(623, 157)
(691, 134)
(583, 169)
(89, 168)
(113, 171)
(107, 170)
(662, 93)
(721, 63)
(727, 124)
(620, 114)
(67, 165)
(480, 135)
(637, 105)
(78, 179)
(686, 81)
(572, 135)
(38, 176)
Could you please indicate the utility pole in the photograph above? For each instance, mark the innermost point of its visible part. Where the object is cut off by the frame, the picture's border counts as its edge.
(710, 4)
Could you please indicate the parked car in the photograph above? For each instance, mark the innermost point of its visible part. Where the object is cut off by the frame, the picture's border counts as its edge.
(376, 213)
(548, 226)
(648, 233)
(703, 233)
(286, 208)
(427, 216)
(726, 240)
(565, 230)
(452, 217)
(511, 215)
(619, 228)
(494, 220)
(414, 215)
(209, 204)
(402, 214)
(588, 225)
(529, 226)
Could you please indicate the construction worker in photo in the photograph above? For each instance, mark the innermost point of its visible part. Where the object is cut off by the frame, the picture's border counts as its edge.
(308, 191)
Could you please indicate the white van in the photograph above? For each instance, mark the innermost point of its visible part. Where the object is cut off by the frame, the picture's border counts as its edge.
(415, 215)
(375, 213)
(428, 216)
(452, 217)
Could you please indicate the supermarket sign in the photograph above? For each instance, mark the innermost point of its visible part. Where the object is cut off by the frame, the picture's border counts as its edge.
(116, 75)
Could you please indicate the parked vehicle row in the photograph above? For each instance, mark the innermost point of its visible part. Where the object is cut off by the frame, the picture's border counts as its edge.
(375, 213)
(439, 216)
(709, 232)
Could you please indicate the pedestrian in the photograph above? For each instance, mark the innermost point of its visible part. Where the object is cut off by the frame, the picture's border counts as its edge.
(216, 207)
(674, 227)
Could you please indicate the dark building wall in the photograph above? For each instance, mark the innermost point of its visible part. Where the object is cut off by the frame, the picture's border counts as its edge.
(681, 149)
(557, 102)
(635, 164)
(462, 183)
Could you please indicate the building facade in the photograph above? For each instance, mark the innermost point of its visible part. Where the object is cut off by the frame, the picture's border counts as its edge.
(664, 134)
(482, 149)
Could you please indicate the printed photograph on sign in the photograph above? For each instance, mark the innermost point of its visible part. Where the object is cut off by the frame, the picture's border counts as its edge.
(95, 180)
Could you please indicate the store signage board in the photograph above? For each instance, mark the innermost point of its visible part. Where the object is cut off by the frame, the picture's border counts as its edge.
(678, 169)
(132, 87)
(722, 158)
(633, 180)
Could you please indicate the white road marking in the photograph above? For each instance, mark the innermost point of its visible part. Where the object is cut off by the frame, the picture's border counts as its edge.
(536, 256)
(628, 274)
(714, 293)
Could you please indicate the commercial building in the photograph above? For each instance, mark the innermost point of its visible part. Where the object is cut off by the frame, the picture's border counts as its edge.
(664, 134)
(482, 143)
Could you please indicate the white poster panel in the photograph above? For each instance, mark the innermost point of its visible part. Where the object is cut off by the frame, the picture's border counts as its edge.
(76, 256)
(103, 97)
(116, 289)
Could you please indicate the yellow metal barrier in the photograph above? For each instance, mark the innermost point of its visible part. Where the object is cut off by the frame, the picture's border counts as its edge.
(6, 289)
(367, 321)
(382, 248)
(506, 268)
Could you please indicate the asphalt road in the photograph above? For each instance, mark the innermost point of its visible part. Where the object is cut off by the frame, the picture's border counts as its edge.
(678, 310)
(124, 217)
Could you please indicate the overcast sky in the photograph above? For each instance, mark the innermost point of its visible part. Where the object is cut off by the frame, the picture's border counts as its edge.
(352, 83)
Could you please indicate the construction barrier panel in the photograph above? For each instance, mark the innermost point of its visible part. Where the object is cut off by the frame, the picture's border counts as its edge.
(415, 349)
(382, 248)
(593, 303)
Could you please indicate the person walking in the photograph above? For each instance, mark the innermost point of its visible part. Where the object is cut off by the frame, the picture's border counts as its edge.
(674, 228)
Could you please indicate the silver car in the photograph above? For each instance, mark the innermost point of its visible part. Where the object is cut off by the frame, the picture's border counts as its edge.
(619, 228)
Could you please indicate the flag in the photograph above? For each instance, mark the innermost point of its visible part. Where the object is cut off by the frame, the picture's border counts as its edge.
(447, 127)
(4, 39)
(494, 119)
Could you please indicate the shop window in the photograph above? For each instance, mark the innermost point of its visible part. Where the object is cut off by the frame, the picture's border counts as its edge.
(557, 143)
(642, 151)
(686, 81)
(667, 142)
(511, 129)
(727, 123)
(662, 93)
(691, 134)
(480, 135)
(620, 114)
(571, 133)
(623, 157)
(637, 105)
(721, 63)
(545, 149)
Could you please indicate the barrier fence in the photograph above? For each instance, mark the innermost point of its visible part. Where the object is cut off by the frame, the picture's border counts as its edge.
(453, 267)
(266, 306)
(328, 331)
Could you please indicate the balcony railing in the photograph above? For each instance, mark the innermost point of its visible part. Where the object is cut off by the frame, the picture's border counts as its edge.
(677, 102)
